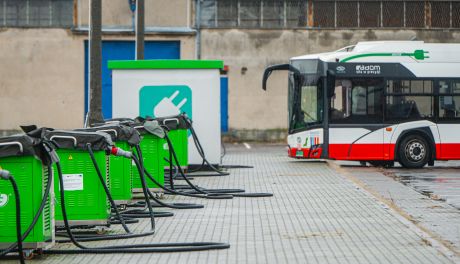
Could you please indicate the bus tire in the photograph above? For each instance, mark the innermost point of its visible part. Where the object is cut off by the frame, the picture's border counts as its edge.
(414, 151)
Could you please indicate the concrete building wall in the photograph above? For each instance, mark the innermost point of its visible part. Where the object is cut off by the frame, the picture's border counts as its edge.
(42, 75)
(248, 52)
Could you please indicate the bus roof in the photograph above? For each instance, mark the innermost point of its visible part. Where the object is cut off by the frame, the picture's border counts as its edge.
(392, 51)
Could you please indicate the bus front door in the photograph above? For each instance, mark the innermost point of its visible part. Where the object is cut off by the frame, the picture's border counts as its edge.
(356, 119)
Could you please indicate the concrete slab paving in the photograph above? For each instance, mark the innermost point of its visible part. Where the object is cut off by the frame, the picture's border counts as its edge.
(316, 215)
(440, 216)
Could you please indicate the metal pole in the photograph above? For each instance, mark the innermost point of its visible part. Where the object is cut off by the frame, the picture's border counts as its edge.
(95, 60)
(198, 29)
(140, 28)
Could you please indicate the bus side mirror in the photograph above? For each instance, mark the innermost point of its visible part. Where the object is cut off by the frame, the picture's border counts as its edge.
(330, 79)
(268, 71)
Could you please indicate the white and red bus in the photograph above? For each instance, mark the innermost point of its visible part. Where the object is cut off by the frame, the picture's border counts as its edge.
(375, 102)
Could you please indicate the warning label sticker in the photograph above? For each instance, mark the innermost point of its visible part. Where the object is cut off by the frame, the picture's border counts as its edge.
(73, 182)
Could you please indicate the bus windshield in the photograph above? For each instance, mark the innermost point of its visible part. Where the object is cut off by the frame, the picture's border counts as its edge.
(305, 96)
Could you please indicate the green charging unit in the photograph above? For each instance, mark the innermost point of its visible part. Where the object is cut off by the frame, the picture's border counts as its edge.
(120, 167)
(179, 140)
(152, 153)
(177, 129)
(31, 178)
(121, 176)
(85, 199)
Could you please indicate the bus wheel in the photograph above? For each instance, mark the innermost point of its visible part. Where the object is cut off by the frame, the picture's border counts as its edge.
(414, 151)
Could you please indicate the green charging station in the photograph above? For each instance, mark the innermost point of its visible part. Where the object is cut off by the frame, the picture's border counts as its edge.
(32, 178)
(85, 198)
(152, 154)
(121, 176)
(179, 140)
(177, 129)
(120, 168)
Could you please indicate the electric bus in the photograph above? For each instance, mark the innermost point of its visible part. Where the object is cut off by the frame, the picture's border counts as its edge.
(376, 102)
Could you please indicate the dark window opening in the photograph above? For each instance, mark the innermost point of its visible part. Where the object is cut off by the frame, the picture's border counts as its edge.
(357, 101)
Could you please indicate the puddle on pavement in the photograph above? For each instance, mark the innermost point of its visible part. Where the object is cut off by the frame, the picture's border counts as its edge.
(444, 185)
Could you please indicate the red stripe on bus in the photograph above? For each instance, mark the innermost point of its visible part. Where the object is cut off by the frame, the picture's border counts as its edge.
(446, 151)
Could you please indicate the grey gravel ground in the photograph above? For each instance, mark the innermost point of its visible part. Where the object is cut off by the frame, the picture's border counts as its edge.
(317, 215)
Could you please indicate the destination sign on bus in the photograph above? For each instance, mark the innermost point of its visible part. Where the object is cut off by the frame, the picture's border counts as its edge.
(370, 69)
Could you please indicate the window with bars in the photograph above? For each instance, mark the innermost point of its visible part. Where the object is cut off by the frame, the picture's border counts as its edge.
(455, 14)
(393, 14)
(415, 14)
(330, 14)
(347, 14)
(322, 14)
(369, 14)
(253, 13)
(442, 14)
(36, 13)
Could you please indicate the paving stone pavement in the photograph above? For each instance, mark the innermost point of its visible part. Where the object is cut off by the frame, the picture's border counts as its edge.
(438, 216)
(316, 216)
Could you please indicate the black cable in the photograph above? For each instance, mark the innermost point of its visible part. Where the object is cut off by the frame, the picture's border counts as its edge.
(171, 150)
(237, 166)
(159, 203)
(139, 248)
(172, 191)
(106, 189)
(200, 149)
(201, 190)
(140, 168)
(120, 216)
(18, 219)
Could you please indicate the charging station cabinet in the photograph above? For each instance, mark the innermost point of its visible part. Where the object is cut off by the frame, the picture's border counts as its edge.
(86, 201)
(121, 176)
(177, 130)
(31, 178)
(162, 88)
(85, 198)
(152, 148)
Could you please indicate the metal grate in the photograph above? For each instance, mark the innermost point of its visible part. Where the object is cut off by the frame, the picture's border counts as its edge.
(441, 11)
(347, 14)
(415, 14)
(36, 13)
(322, 14)
(455, 14)
(330, 14)
(272, 14)
(393, 14)
(296, 13)
(369, 14)
(46, 176)
(227, 13)
(249, 13)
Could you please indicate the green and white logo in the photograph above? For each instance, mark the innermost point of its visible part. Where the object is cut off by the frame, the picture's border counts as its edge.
(3, 199)
(165, 100)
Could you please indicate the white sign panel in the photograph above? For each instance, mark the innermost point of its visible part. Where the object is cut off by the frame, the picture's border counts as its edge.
(73, 182)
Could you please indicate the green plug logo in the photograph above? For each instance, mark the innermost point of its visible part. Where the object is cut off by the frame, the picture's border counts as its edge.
(3, 199)
(420, 54)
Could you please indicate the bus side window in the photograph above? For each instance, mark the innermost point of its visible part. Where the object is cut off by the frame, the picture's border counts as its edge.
(340, 102)
(449, 99)
(359, 100)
